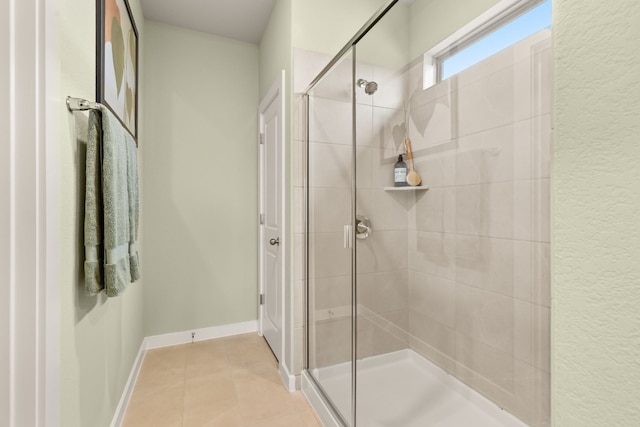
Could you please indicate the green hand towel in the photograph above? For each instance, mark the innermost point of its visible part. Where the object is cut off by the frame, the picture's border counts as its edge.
(93, 224)
(115, 207)
(134, 206)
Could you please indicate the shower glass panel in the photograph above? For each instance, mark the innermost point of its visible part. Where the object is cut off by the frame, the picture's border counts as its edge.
(329, 266)
(449, 281)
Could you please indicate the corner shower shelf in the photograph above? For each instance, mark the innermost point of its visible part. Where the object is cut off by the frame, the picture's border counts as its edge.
(419, 188)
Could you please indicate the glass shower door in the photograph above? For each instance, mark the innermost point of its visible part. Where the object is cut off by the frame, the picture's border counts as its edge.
(452, 277)
(329, 254)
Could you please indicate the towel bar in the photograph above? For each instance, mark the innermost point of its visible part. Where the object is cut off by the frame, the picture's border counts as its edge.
(79, 104)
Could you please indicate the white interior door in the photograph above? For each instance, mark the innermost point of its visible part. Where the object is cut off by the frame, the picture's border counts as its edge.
(272, 240)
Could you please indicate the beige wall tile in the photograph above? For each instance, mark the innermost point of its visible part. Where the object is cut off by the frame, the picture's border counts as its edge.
(533, 79)
(392, 87)
(432, 333)
(330, 165)
(332, 343)
(364, 125)
(532, 148)
(327, 255)
(437, 165)
(532, 335)
(331, 292)
(495, 366)
(391, 291)
(431, 123)
(470, 209)
(364, 165)
(485, 263)
(433, 297)
(330, 121)
(531, 210)
(487, 103)
(532, 272)
(329, 209)
(486, 317)
(388, 130)
(498, 209)
(444, 361)
(390, 210)
(432, 253)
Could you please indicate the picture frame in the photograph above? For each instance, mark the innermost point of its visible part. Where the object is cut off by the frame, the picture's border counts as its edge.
(117, 62)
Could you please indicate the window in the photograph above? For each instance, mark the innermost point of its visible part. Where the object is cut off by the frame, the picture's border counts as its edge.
(502, 26)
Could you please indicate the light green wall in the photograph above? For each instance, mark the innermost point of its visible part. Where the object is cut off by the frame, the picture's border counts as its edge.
(596, 214)
(200, 201)
(99, 337)
(275, 46)
(387, 44)
(326, 26)
(434, 20)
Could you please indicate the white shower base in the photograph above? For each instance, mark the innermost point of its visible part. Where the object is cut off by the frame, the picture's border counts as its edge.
(403, 389)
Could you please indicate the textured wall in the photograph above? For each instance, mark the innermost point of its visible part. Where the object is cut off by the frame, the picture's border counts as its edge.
(200, 165)
(596, 225)
(100, 337)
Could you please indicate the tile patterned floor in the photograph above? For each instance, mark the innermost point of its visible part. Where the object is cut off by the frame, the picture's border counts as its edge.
(227, 382)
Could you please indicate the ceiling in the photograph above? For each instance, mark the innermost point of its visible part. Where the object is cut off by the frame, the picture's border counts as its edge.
(236, 19)
(243, 20)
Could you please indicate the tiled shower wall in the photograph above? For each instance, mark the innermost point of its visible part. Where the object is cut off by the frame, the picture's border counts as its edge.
(479, 238)
(459, 273)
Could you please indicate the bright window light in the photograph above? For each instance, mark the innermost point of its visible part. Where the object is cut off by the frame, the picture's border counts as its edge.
(508, 34)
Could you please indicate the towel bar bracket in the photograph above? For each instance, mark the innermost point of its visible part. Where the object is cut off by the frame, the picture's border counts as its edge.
(79, 104)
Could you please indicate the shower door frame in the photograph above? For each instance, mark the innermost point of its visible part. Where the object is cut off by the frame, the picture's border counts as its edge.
(350, 46)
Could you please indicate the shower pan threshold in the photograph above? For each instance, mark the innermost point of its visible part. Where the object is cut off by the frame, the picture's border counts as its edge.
(404, 389)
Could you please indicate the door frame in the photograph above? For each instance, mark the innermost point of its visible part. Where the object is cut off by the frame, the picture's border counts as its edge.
(277, 93)
(29, 359)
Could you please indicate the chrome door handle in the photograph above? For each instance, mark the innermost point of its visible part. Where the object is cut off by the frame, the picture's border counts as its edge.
(275, 242)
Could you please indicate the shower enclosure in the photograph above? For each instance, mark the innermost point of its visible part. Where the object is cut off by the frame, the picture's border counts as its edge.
(429, 305)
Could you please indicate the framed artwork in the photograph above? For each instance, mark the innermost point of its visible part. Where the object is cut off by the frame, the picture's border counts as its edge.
(117, 61)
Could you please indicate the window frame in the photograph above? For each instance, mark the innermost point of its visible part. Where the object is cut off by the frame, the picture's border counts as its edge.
(490, 21)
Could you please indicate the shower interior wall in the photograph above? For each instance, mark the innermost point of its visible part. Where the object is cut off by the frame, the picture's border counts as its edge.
(459, 273)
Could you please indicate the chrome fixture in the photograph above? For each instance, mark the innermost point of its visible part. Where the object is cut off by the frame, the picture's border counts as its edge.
(369, 87)
(363, 227)
(79, 104)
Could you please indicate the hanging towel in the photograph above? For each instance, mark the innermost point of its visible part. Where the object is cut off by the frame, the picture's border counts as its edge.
(134, 206)
(110, 245)
(93, 224)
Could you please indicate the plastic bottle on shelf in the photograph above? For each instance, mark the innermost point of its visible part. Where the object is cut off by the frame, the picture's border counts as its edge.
(400, 173)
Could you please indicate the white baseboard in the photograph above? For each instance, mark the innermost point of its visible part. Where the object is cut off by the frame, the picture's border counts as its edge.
(287, 379)
(202, 334)
(121, 409)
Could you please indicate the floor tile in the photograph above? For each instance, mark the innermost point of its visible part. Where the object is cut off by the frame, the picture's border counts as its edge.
(162, 408)
(226, 382)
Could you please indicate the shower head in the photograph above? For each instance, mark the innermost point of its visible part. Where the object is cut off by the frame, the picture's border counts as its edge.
(369, 87)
